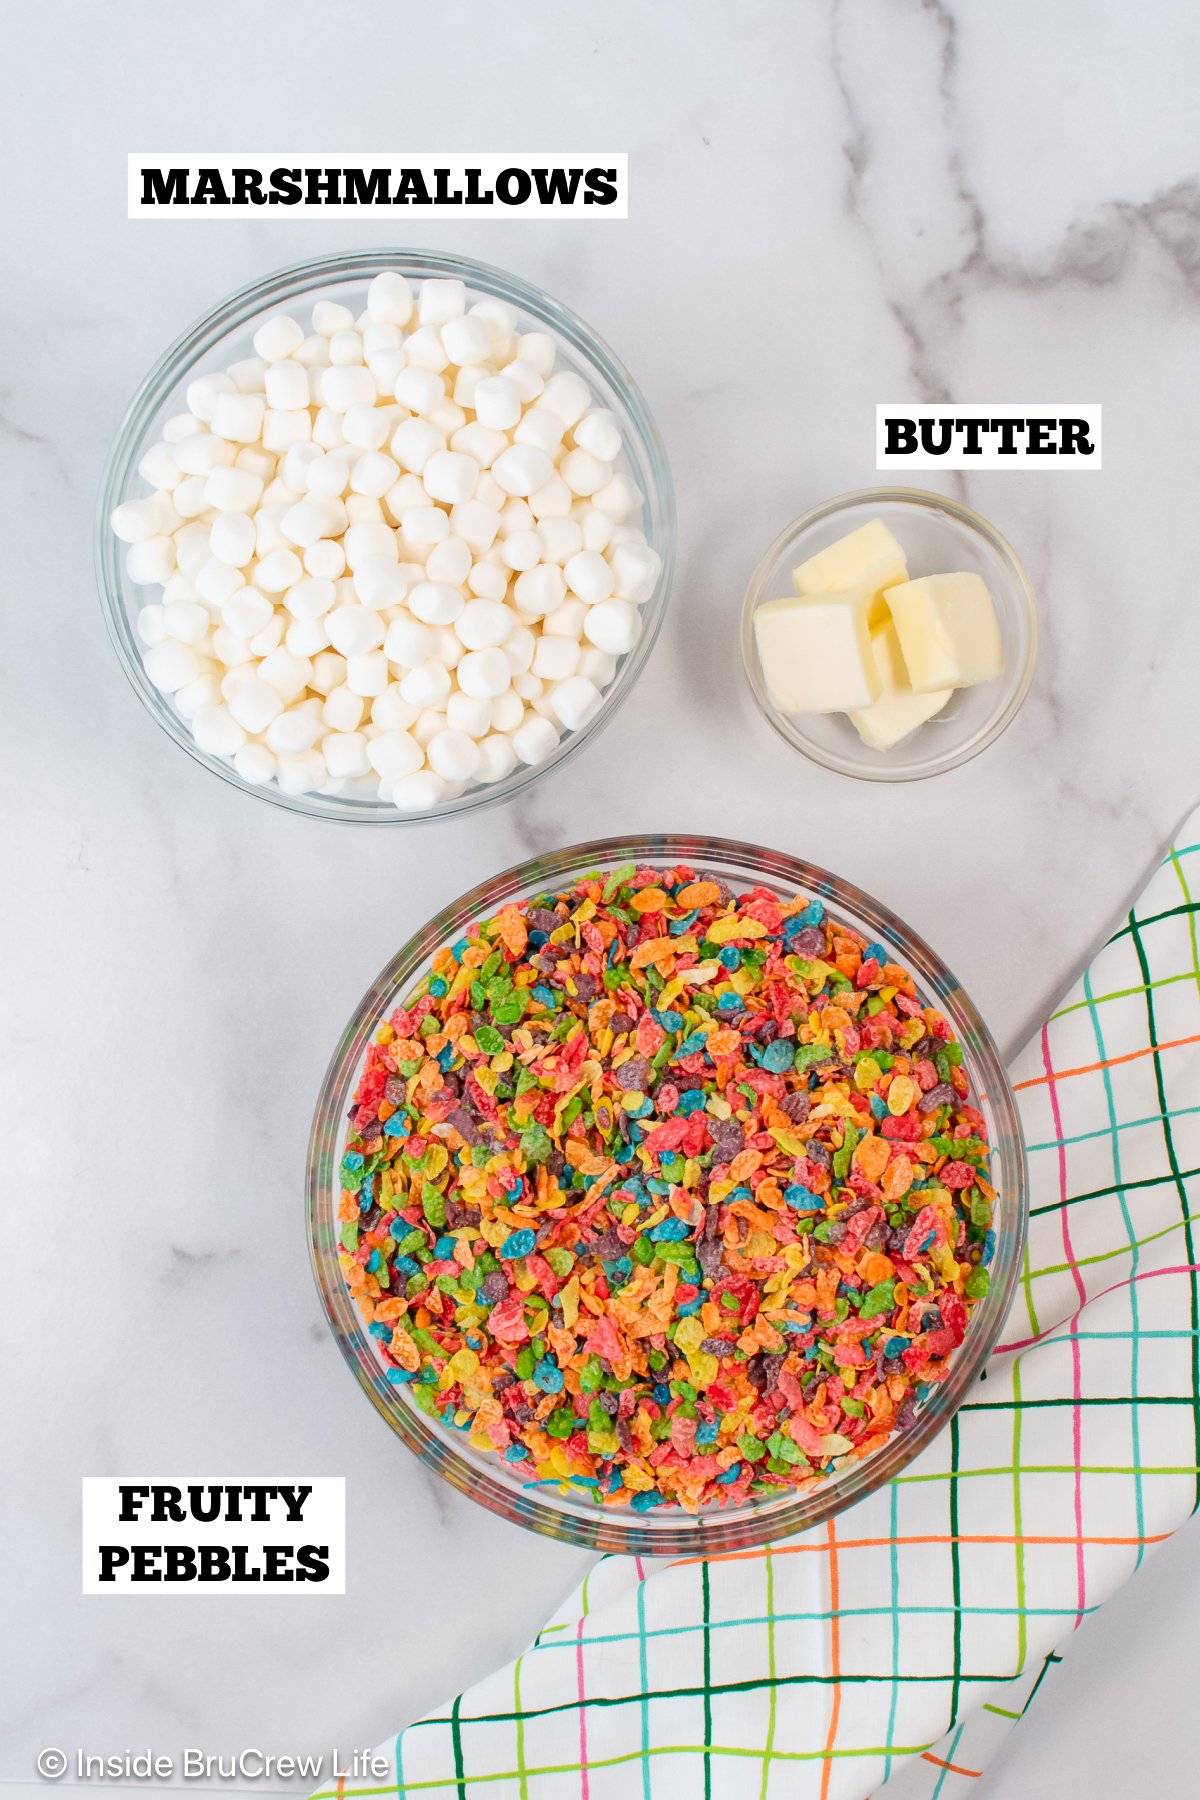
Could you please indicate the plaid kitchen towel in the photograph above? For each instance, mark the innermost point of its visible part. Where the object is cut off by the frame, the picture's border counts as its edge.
(892, 1647)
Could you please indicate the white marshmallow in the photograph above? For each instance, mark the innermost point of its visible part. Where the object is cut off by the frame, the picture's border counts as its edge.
(498, 403)
(441, 300)
(233, 538)
(329, 671)
(254, 704)
(435, 603)
(390, 299)
(523, 550)
(325, 560)
(542, 429)
(561, 539)
(171, 665)
(535, 739)
(345, 348)
(450, 477)
(187, 621)
(194, 694)
(453, 755)
(555, 658)
(202, 394)
(464, 713)
(367, 675)
(481, 444)
(449, 562)
(347, 385)
(310, 599)
(551, 501)
(373, 474)
(483, 673)
(584, 473)
(589, 576)
(508, 709)
(238, 417)
(151, 562)
(343, 710)
(518, 649)
(612, 625)
(366, 427)
(286, 385)
(497, 758)
(151, 625)
(599, 432)
(522, 469)
(354, 630)
(287, 674)
(428, 684)
(345, 754)
(618, 498)
(476, 524)
(488, 582)
(418, 793)
(598, 666)
(538, 591)
(635, 570)
(236, 490)
(293, 732)
(255, 763)
(466, 339)
(575, 701)
(390, 711)
(305, 637)
(216, 731)
(394, 754)
(484, 624)
(328, 316)
(278, 338)
(301, 774)
(408, 641)
(565, 621)
(134, 521)
(281, 569)
(414, 441)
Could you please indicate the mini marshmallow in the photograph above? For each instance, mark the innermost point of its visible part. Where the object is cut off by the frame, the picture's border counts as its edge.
(507, 710)
(414, 441)
(171, 665)
(599, 432)
(343, 710)
(534, 740)
(233, 538)
(561, 539)
(522, 469)
(390, 711)
(441, 300)
(497, 758)
(151, 624)
(419, 792)
(373, 474)
(282, 431)
(390, 299)
(575, 701)
(551, 501)
(542, 429)
(394, 754)
(329, 671)
(325, 559)
(539, 590)
(293, 732)
(465, 713)
(345, 754)
(328, 316)
(450, 477)
(347, 385)
(523, 550)
(484, 624)
(151, 562)
(367, 675)
(589, 576)
(466, 339)
(254, 704)
(584, 473)
(301, 774)
(186, 621)
(481, 445)
(366, 427)
(612, 625)
(233, 489)
(567, 395)
(435, 603)
(518, 649)
(453, 755)
(305, 637)
(287, 674)
(216, 731)
(255, 763)
(345, 348)
(281, 569)
(488, 582)
(428, 684)
(476, 524)
(285, 385)
(565, 621)
(277, 338)
(483, 674)
(194, 694)
(354, 630)
(449, 562)
(134, 521)
(498, 403)
(555, 658)
(598, 665)
(635, 571)
(239, 417)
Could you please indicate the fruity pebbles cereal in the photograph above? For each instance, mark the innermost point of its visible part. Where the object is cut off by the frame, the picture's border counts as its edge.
(667, 1192)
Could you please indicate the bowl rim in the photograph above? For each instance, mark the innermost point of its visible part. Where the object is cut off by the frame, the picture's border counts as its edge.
(291, 282)
(923, 499)
(669, 1532)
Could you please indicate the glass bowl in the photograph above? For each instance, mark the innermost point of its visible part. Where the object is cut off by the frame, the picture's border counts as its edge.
(571, 1516)
(224, 335)
(939, 536)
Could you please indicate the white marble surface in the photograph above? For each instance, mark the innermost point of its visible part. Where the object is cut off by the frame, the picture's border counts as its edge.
(830, 205)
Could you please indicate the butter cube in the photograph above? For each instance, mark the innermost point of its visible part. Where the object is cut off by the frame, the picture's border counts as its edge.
(816, 652)
(868, 558)
(947, 629)
(898, 711)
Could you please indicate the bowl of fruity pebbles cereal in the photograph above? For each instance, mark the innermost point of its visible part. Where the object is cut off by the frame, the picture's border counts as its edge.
(666, 1194)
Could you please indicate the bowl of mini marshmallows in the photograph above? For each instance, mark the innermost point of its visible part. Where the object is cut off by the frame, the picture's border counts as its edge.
(385, 536)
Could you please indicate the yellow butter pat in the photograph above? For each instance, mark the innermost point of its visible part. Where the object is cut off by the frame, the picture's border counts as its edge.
(947, 629)
(816, 653)
(898, 711)
(869, 558)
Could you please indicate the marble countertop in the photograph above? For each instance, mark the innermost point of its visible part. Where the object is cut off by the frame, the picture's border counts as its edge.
(830, 205)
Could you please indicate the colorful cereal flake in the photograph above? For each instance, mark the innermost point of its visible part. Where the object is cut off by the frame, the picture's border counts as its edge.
(672, 1194)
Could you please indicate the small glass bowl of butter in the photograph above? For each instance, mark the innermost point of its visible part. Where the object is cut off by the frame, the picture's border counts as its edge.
(890, 634)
